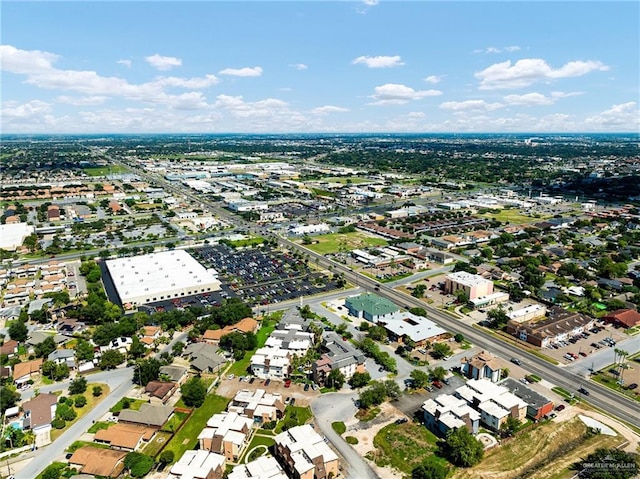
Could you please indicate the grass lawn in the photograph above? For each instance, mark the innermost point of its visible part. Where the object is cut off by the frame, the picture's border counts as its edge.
(403, 446)
(300, 414)
(368, 414)
(187, 437)
(81, 411)
(334, 242)
(239, 368)
(546, 451)
(513, 216)
(104, 170)
(98, 426)
(174, 423)
(78, 444)
(255, 442)
(133, 404)
(159, 440)
(606, 379)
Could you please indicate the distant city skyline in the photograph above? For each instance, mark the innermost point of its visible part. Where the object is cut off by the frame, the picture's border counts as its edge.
(319, 67)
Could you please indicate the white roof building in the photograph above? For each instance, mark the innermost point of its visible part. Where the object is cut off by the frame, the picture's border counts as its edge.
(262, 468)
(418, 328)
(197, 465)
(270, 363)
(159, 276)
(12, 235)
(301, 446)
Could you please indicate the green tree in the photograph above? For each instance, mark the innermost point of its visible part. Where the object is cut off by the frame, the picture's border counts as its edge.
(9, 397)
(177, 348)
(137, 349)
(78, 385)
(335, 379)
(166, 456)
(96, 391)
(146, 370)
(440, 350)
(461, 448)
(359, 380)
(193, 392)
(53, 471)
(79, 401)
(18, 331)
(430, 468)
(138, 464)
(509, 427)
(45, 348)
(377, 333)
(419, 378)
(418, 291)
(111, 359)
(84, 350)
(438, 373)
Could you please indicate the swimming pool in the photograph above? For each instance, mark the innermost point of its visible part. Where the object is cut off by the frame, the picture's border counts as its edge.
(16, 424)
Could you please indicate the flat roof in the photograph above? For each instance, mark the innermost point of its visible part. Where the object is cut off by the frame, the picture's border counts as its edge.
(13, 234)
(155, 274)
(467, 279)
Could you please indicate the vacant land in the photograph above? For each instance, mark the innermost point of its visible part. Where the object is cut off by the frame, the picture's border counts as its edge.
(346, 180)
(544, 452)
(338, 242)
(513, 216)
(403, 446)
(104, 170)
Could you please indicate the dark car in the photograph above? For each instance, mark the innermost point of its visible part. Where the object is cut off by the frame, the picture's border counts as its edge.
(293, 401)
(306, 387)
(438, 384)
(266, 383)
(516, 361)
(402, 420)
(560, 407)
(584, 391)
(632, 386)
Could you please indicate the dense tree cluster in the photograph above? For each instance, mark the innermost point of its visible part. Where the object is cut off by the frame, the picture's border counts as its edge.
(378, 392)
(383, 358)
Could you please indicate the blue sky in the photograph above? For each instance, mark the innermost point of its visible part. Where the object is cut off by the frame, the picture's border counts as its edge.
(387, 66)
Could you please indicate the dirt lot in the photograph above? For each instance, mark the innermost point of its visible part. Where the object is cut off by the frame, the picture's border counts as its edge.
(229, 388)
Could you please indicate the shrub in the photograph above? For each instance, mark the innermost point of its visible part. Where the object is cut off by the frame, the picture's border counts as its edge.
(167, 456)
(97, 391)
(58, 423)
(351, 440)
(339, 427)
(269, 425)
(78, 385)
(80, 401)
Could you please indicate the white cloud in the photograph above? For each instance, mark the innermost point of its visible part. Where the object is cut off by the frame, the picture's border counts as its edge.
(370, 3)
(14, 60)
(562, 94)
(242, 72)
(416, 114)
(198, 83)
(470, 105)
(509, 49)
(364, 7)
(300, 66)
(126, 63)
(529, 99)
(239, 108)
(379, 61)
(394, 94)
(433, 79)
(163, 63)
(524, 72)
(81, 101)
(324, 110)
(25, 111)
(622, 117)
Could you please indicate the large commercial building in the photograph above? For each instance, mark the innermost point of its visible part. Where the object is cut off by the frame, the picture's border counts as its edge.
(13, 235)
(473, 285)
(159, 276)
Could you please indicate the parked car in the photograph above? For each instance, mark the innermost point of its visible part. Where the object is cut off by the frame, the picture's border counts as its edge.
(560, 407)
(438, 384)
(402, 420)
(266, 383)
(287, 383)
(632, 386)
(306, 387)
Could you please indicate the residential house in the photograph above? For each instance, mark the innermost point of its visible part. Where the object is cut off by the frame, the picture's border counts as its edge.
(198, 465)
(305, 455)
(627, 318)
(482, 365)
(298, 342)
(98, 461)
(125, 437)
(445, 412)
(22, 372)
(204, 357)
(337, 354)
(246, 325)
(160, 390)
(494, 403)
(258, 405)
(265, 467)
(10, 348)
(227, 433)
(39, 412)
(175, 373)
(63, 356)
(152, 415)
(150, 334)
(271, 363)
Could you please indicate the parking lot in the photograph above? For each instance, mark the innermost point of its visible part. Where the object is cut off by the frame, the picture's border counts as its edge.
(230, 386)
(263, 276)
(581, 346)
